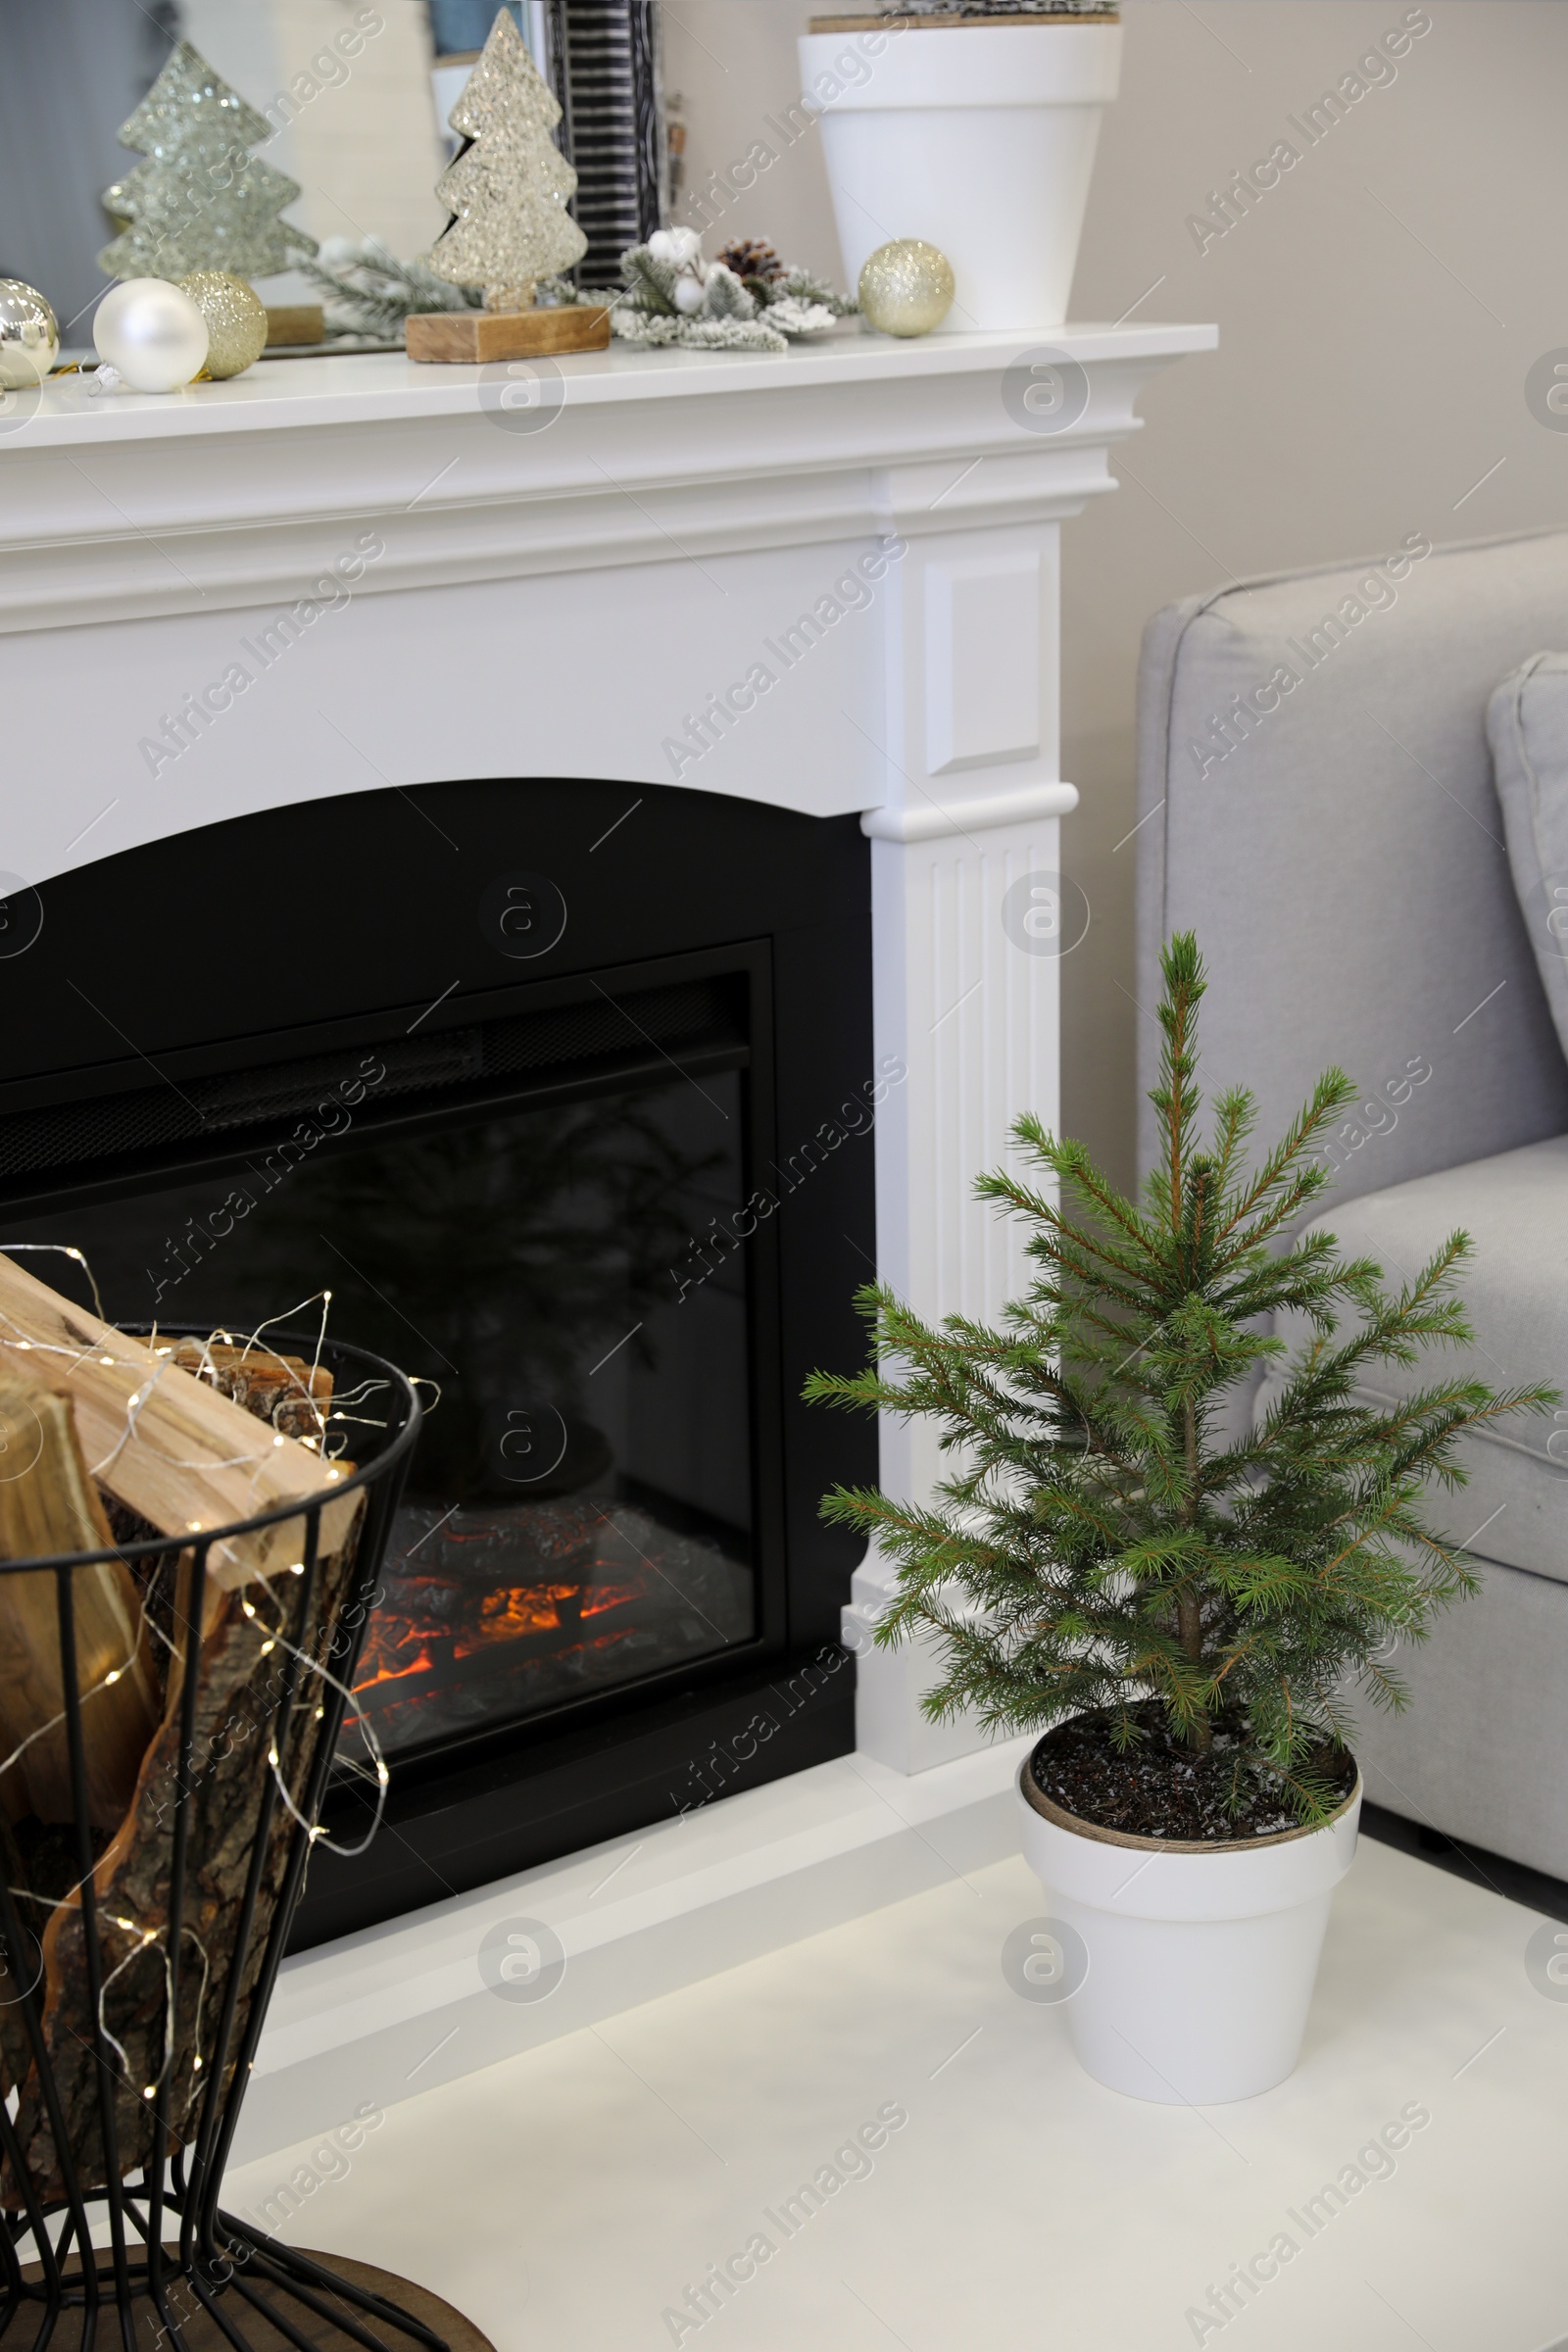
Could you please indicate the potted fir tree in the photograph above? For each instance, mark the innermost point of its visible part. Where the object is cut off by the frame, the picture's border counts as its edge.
(1178, 1608)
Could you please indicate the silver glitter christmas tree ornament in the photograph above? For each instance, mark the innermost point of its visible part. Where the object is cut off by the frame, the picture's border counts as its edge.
(509, 188)
(198, 201)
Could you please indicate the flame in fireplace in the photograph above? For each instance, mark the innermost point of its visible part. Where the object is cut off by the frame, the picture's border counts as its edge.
(535, 1608)
(398, 1647)
(491, 1613)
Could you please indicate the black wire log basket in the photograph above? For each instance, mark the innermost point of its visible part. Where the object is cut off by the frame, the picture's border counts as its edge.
(138, 1963)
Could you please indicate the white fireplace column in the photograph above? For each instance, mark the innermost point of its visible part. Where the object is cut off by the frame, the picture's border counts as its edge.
(968, 950)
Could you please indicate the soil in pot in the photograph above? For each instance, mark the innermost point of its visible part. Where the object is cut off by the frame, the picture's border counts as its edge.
(1157, 1789)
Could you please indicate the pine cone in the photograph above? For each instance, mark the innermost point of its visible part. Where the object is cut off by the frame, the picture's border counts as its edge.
(752, 257)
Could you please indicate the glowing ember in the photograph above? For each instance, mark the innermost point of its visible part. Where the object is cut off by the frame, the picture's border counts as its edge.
(490, 1613)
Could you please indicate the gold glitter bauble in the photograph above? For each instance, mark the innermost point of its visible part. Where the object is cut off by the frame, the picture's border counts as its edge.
(235, 316)
(907, 287)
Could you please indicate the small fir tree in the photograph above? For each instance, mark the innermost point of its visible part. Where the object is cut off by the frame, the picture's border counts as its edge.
(509, 187)
(198, 201)
(1101, 1544)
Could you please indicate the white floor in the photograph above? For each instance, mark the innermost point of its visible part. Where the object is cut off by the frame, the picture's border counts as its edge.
(573, 2195)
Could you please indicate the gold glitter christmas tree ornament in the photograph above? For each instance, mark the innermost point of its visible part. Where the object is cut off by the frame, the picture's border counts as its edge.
(236, 320)
(510, 190)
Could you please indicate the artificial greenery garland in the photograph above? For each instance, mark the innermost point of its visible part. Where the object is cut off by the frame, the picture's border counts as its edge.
(669, 294)
(1102, 1542)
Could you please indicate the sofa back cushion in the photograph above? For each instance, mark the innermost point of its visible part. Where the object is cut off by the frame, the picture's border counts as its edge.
(1515, 1294)
(1527, 725)
(1318, 804)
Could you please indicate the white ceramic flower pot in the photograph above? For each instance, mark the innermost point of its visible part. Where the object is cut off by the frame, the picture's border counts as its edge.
(979, 138)
(1200, 1958)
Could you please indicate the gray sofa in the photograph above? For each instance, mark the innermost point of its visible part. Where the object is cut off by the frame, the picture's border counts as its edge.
(1336, 842)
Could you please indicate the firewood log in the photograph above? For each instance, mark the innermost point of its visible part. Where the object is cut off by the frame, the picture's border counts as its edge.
(48, 1504)
(293, 1396)
(169, 1445)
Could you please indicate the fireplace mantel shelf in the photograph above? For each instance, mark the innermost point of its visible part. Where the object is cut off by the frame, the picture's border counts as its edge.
(379, 388)
(123, 506)
(689, 508)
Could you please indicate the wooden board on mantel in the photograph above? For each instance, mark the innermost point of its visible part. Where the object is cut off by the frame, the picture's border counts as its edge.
(172, 1448)
(480, 335)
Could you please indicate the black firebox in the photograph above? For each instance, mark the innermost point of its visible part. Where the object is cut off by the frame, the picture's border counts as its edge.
(561, 1095)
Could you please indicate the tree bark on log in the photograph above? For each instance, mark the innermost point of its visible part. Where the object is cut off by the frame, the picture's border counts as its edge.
(285, 1389)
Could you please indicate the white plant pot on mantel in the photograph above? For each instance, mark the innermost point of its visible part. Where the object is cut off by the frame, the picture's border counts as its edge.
(979, 137)
(1200, 1958)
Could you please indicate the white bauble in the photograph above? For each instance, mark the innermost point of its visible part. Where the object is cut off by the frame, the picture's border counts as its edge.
(152, 333)
(689, 296)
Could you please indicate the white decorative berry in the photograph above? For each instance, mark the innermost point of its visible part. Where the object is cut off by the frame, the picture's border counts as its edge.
(679, 247)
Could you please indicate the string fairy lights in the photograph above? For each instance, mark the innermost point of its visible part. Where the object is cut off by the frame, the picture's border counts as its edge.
(377, 1769)
(60, 1249)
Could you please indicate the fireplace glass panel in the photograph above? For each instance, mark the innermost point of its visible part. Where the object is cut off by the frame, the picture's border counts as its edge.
(580, 1511)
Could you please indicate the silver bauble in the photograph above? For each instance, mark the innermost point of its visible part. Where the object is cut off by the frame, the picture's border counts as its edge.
(907, 287)
(29, 335)
(152, 333)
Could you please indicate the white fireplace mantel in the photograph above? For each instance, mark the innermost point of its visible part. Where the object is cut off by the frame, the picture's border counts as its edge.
(553, 574)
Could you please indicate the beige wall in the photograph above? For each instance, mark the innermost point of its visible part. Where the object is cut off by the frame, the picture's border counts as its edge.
(361, 135)
(1378, 314)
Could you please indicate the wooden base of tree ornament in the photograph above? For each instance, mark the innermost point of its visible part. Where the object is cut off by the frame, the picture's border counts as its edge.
(479, 335)
(294, 323)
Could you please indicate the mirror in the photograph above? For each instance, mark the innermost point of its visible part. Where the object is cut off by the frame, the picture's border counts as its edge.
(356, 94)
